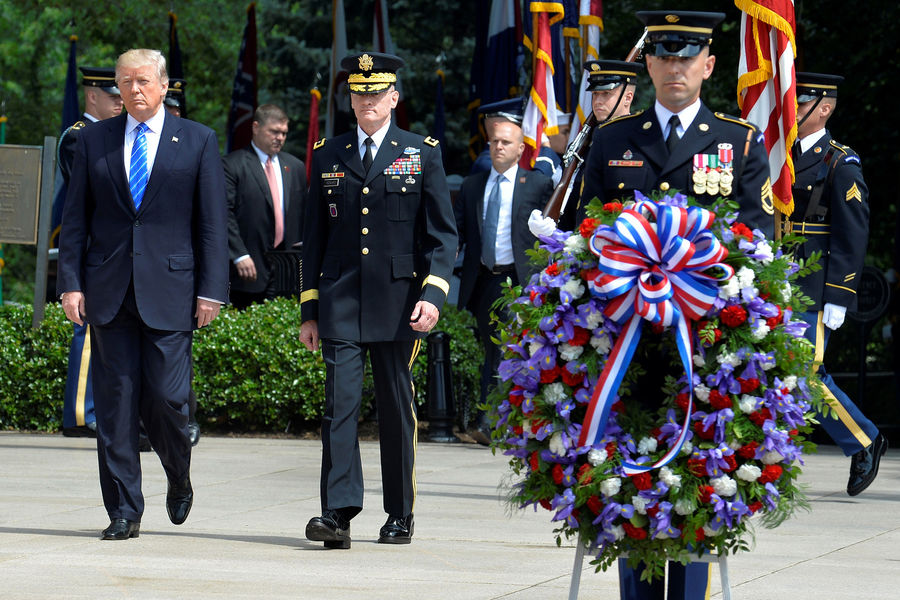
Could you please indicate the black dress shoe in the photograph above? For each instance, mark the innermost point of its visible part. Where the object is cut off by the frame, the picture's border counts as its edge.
(397, 530)
(864, 465)
(86, 430)
(330, 528)
(194, 432)
(179, 499)
(121, 529)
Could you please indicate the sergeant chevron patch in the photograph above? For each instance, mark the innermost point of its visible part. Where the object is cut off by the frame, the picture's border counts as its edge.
(854, 192)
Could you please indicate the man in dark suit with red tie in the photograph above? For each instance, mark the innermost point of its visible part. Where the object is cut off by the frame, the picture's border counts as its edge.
(265, 189)
(142, 258)
(492, 211)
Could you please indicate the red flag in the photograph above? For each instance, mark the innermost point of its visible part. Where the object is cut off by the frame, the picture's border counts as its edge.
(313, 132)
(540, 112)
(243, 94)
(767, 86)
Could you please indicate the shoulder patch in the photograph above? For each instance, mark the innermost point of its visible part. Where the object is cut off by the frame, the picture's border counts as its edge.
(78, 125)
(840, 147)
(620, 118)
(738, 120)
(319, 144)
(431, 141)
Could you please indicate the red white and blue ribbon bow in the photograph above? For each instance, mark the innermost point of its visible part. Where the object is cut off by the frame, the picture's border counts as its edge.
(665, 271)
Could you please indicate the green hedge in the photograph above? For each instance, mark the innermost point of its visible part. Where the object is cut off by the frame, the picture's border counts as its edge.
(251, 373)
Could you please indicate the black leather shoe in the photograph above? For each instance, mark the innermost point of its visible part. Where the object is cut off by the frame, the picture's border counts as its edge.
(86, 430)
(194, 432)
(397, 530)
(121, 529)
(330, 528)
(864, 465)
(179, 499)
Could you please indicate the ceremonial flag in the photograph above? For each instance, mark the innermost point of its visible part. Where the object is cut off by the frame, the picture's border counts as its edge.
(70, 112)
(501, 78)
(766, 90)
(338, 93)
(313, 133)
(566, 66)
(540, 112)
(174, 67)
(590, 19)
(382, 42)
(243, 95)
(440, 121)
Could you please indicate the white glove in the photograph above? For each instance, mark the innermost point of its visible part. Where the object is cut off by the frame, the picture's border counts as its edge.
(539, 225)
(833, 315)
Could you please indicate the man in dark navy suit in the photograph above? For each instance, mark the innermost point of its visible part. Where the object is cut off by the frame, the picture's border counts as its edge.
(143, 259)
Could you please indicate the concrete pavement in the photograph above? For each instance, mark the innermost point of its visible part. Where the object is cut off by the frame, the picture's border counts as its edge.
(245, 535)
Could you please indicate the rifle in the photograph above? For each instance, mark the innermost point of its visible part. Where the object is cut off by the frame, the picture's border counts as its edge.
(577, 151)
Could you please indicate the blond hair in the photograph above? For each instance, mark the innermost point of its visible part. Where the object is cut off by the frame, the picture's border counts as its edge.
(140, 57)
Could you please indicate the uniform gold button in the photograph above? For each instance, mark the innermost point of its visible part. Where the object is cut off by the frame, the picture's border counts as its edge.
(366, 190)
(365, 210)
(664, 186)
(365, 231)
(403, 189)
(365, 250)
(415, 274)
(809, 187)
(622, 185)
(329, 192)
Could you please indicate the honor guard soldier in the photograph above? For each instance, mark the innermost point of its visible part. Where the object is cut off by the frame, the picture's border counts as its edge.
(680, 144)
(831, 211)
(174, 100)
(379, 243)
(101, 101)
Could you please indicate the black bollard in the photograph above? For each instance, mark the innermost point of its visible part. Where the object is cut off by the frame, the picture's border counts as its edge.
(441, 407)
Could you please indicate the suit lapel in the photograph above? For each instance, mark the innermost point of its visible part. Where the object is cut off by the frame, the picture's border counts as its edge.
(115, 158)
(350, 154)
(169, 144)
(285, 184)
(258, 173)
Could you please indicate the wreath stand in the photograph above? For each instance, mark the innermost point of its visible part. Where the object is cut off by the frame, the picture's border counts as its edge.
(721, 560)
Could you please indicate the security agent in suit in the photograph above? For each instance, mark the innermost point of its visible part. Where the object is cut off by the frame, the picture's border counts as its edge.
(266, 188)
(680, 144)
(143, 254)
(831, 211)
(101, 101)
(379, 243)
(492, 221)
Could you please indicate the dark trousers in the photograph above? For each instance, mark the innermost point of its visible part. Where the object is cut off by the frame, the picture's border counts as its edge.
(342, 479)
(689, 582)
(139, 374)
(488, 288)
(241, 299)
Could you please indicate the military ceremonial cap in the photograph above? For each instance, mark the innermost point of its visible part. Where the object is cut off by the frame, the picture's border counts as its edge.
(813, 85)
(512, 110)
(678, 32)
(371, 72)
(175, 93)
(101, 77)
(609, 74)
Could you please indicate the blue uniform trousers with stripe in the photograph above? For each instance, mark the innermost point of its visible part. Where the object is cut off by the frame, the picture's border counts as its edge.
(689, 582)
(78, 402)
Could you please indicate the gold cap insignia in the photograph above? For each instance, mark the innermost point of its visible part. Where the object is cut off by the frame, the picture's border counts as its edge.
(366, 63)
(672, 18)
(595, 67)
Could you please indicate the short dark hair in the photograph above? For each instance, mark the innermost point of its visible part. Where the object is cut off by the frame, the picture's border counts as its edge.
(269, 112)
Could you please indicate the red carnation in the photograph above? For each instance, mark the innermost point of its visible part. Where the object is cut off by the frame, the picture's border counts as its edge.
(558, 474)
(613, 207)
(760, 416)
(550, 375)
(633, 532)
(748, 385)
(732, 463)
(697, 467)
(534, 461)
(705, 492)
(699, 534)
(610, 449)
(775, 321)
(704, 433)
(719, 400)
(755, 506)
(553, 269)
(617, 407)
(580, 337)
(748, 451)
(546, 503)
(584, 474)
(533, 295)
(642, 481)
(681, 401)
(595, 505)
(653, 510)
(518, 430)
(587, 227)
(572, 379)
(515, 399)
(657, 433)
(734, 315)
(770, 474)
(741, 230)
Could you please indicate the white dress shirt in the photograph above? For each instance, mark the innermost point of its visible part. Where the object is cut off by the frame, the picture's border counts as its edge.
(685, 118)
(503, 252)
(377, 137)
(810, 140)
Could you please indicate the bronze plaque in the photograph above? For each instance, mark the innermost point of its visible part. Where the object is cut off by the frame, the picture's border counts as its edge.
(20, 189)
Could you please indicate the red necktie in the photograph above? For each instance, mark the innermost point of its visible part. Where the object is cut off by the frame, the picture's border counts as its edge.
(276, 201)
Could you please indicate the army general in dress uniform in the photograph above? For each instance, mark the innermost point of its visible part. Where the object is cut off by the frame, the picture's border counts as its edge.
(831, 210)
(379, 246)
(680, 144)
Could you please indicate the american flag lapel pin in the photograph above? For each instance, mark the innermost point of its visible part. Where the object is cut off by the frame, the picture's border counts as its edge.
(174, 139)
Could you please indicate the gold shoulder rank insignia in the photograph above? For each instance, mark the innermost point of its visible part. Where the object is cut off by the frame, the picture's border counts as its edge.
(319, 144)
(838, 146)
(432, 142)
(78, 125)
(622, 118)
(767, 200)
(738, 120)
(854, 192)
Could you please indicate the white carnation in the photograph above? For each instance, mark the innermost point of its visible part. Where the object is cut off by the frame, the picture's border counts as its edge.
(601, 343)
(745, 277)
(554, 392)
(669, 478)
(574, 287)
(730, 358)
(575, 243)
(701, 392)
(748, 404)
(771, 457)
(748, 472)
(594, 319)
(786, 291)
(765, 251)
(790, 382)
(683, 506)
(618, 531)
(734, 444)
(567, 352)
(611, 486)
(761, 331)
(647, 445)
(730, 289)
(687, 447)
(699, 361)
(724, 486)
(640, 504)
(556, 445)
(597, 456)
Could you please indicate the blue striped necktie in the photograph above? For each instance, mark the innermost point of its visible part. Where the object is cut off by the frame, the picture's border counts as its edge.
(138, 175)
